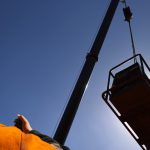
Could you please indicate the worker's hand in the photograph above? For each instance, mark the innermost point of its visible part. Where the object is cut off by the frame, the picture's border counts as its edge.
(26, 127)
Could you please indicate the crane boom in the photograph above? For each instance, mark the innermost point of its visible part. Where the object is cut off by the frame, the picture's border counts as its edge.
(92, 57)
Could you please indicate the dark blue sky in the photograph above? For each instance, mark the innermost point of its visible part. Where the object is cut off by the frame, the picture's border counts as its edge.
(43, 45)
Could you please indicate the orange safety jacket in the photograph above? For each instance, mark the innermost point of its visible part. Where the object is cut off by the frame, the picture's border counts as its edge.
(12, 138)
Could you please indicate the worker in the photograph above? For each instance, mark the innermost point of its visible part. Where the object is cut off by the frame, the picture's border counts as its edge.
(21, 136)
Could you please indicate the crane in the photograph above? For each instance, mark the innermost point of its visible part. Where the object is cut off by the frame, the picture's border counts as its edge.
(129, 86)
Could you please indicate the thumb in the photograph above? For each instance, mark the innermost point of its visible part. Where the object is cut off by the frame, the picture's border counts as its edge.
(22, 118)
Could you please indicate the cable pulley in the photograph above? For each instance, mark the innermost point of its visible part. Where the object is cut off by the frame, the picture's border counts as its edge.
(127, 13)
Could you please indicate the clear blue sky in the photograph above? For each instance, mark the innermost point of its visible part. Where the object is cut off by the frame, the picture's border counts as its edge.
(43, 44)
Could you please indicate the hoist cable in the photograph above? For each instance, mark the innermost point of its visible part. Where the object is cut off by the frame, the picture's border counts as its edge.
(132, 41)
(128, 16)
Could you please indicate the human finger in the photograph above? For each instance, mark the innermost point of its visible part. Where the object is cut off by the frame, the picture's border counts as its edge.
(22, 118)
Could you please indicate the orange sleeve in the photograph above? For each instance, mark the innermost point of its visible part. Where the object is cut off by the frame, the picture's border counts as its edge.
(10, 138)
(13, 138)
(2, 125)
(33, 142)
